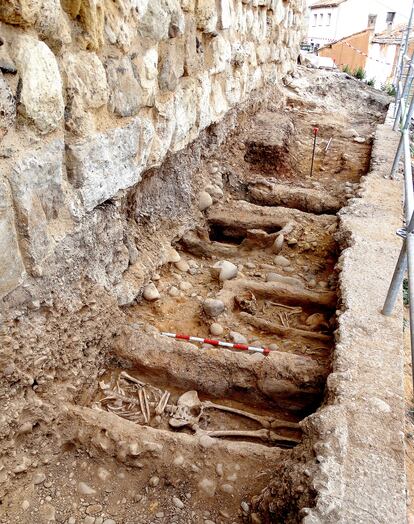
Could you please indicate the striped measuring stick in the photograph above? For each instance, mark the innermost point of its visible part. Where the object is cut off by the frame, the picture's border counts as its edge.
(244, 347)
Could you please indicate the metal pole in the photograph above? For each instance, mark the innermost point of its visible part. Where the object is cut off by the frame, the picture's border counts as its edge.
(406, 125)
(406, 91)
(410, 257)
(315, 134)
(397, 278)
(408, 177)
(408, 244)
(401, 59)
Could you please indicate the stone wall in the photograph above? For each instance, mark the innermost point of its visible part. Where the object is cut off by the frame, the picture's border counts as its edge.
(94, 93)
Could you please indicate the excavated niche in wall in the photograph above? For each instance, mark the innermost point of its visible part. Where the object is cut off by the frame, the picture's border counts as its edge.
(186, 433)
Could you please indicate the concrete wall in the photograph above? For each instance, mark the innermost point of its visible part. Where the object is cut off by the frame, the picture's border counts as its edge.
(93, 94)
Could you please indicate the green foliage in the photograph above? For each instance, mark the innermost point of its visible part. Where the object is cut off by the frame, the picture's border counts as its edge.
(347, 69)
(406, 297)
(389, 89)
(359, 73)
(371, 82)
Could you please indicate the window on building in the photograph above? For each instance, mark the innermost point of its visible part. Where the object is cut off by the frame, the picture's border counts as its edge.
(390, 17)
(329, 19)
(321, 19)
(372, 20)
(315, 20)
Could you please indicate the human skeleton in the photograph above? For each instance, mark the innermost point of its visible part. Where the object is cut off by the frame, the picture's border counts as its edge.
(144, 404)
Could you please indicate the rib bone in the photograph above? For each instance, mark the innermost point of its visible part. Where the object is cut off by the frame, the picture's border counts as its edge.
(159, 410)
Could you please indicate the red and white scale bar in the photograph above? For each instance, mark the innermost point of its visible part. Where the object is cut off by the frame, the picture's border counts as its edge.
(243, 347)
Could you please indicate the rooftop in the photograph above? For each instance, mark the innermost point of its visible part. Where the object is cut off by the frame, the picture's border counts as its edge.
(326, 3)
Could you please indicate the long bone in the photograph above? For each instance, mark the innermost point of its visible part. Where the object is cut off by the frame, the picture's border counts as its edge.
(262, 434)
(264, 421)
(283, 331)
(125, 376)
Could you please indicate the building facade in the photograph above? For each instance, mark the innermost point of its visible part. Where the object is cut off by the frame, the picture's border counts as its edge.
(332, 20)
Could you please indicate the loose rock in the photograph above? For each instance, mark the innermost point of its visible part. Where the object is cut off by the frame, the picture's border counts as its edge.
(238, 338)
(226, 270)
(182, 266)
(84, 489)
(278, 244)
(216, 329)
(204, 201)
(151, 293)
(282, 261)
(208, 487)
(38, 478)
(173, 291)
(178, 503)
(154, 481)
(213, 307)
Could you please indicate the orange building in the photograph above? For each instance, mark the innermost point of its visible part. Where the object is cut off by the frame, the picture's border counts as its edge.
(352, 50)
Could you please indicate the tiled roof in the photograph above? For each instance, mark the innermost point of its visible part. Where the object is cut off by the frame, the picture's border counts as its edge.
(326, 3)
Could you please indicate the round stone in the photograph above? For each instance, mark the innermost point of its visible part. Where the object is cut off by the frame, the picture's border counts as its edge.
(227, 270)
(182, 266)
(151, 293)
(216, 329)
(282, 261)
(173, 291)
(237, 338)
(185, 286)
(278, 244)
(178, 503)
(154, 481)
(208, 487)
(213, 307)
(204, 201)
(84, 489)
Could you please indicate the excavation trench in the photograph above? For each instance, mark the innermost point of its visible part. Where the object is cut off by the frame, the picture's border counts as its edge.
(167, 404)
(213, 426)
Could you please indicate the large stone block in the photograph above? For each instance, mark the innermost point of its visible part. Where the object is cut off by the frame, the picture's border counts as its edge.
(40, 199)
(186, 107)
(193, 58)
(92, 17)
(155, 23)
(125, 91)
(218, 54)
(226, 14)
(164, 127)
(146, 67)
(7, 107)
(207, 17)
(41, 97)
(20, 12)
(171, 63)
(108, 162)
(85, 79)
(11, 263)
